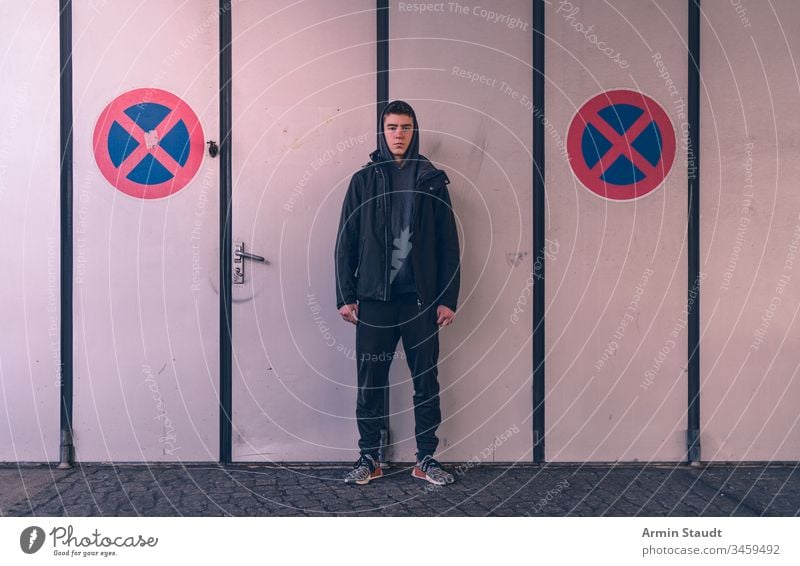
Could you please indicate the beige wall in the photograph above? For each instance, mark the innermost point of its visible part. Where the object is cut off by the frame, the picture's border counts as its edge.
(304, 112)
(750, 208)
(30, 243)
(146, 320)
(146, 271)
(616, 290)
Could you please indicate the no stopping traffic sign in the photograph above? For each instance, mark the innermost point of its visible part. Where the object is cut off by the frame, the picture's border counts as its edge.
(148, 143)
(621, 145)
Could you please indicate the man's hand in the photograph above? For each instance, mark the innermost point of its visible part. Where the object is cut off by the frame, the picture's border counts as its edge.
(350, 313)
(444, 315)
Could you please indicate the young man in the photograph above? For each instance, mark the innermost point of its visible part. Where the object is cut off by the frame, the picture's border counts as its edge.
(397, 275)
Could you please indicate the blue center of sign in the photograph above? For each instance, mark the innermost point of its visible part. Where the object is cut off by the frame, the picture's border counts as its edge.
(648, 143)
(147, 116)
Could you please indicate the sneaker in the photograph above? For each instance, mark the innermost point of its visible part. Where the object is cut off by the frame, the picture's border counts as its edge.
(431, 471)
(364, 471)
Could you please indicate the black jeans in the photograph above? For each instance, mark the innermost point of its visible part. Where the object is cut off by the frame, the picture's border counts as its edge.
(380, 325)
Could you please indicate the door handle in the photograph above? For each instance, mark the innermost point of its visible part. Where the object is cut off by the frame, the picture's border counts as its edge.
(250, 256)
(239, 255)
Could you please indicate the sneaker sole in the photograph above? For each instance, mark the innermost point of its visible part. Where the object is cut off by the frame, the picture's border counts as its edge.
(373, 476)
(420, 475)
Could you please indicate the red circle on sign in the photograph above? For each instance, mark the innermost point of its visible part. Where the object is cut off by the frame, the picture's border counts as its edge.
(594, 176)
(176, 165)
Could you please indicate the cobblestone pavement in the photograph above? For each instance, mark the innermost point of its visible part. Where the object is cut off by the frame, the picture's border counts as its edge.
(519, 490)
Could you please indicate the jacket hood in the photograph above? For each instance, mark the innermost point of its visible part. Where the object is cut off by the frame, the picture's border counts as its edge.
(383, 153)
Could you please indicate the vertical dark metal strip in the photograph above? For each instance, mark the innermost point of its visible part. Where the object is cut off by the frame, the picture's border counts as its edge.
(382, 44)
(693, 178)
(66, 190)
(225, 233)
(538, 231)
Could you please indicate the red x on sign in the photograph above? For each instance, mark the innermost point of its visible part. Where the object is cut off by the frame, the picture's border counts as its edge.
(621, 144)
(148, 143)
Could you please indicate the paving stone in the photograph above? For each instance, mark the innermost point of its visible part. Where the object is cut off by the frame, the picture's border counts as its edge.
(546, 490)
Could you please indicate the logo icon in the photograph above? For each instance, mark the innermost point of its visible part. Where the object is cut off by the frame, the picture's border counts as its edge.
(31, 540)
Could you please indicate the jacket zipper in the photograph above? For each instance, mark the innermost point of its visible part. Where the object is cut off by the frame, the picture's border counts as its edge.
(386, 254)
(362, 245)
(418, 186)
(414, 212)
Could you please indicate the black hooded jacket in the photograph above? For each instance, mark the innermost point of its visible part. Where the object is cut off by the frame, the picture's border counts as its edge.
(363, 248)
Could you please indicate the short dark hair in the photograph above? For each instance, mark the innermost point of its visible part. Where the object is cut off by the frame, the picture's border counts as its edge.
(399, 107)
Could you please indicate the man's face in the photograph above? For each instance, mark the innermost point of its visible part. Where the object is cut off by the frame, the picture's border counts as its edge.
(399, 131)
